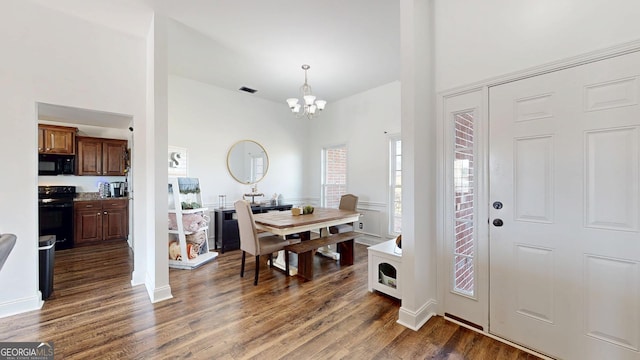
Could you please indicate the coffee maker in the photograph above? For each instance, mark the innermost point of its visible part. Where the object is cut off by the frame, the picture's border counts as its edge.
(118, 189)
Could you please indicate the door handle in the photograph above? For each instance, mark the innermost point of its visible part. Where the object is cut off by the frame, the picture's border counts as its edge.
(498, 222)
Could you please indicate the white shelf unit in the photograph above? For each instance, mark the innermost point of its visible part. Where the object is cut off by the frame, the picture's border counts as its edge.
(187, 191)
(385, 265)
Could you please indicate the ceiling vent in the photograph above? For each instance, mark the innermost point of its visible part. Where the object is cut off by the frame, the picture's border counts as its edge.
(249, 90)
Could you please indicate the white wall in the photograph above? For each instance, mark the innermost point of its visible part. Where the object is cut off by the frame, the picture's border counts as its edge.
(207, 121)
(363, 122)
(57, 59)
(476, 40)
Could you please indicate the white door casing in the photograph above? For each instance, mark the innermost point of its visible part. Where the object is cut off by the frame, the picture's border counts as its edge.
(564, 160)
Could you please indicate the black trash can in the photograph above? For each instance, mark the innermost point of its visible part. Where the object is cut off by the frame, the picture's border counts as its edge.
(47, 247)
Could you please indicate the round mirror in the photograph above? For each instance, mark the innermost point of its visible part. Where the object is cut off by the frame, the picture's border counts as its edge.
(247, 162)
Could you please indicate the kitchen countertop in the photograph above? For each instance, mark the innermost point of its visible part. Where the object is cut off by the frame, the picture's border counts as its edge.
(89, 196)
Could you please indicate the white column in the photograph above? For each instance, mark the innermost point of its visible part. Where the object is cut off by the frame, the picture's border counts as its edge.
(418, 163)
(157, 281)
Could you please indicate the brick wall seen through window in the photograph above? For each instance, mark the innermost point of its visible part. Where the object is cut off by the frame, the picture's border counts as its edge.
(334, 179)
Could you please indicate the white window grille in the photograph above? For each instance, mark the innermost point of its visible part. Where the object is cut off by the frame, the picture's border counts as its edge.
(464, 198)
(334, 175)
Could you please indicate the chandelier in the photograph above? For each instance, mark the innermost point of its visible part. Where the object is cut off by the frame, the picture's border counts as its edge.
(309, 106)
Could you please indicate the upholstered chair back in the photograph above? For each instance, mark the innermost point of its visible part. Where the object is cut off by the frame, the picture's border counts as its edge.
(348, 202)
(248, 232)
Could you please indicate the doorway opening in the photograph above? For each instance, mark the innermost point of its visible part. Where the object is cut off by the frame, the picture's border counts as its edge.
(109, 145)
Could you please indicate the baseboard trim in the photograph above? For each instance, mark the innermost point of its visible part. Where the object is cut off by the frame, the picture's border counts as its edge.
(20, 306)
(162, 294)
(415, 319)
(369, 240)
(136, 278)
(157, 294)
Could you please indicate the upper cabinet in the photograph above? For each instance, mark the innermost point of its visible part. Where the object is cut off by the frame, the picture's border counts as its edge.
(101, 157)
(54, 139)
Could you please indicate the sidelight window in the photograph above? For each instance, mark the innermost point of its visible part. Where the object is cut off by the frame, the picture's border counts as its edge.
(395, 185)
(464, 254)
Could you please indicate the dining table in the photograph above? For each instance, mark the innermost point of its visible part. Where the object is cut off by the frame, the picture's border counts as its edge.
(285, 223)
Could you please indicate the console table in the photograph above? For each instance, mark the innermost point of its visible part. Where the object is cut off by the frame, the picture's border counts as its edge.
(226, 232)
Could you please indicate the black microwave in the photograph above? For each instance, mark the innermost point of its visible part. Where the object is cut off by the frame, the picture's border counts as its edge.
(56, 164)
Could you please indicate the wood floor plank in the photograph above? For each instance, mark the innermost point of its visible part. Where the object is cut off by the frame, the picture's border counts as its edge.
(94, 313)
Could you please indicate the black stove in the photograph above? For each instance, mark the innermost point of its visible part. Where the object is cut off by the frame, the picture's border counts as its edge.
(56, 192)
(55, 210)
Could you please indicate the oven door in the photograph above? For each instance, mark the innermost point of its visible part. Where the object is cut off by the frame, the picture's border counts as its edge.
(56, 218)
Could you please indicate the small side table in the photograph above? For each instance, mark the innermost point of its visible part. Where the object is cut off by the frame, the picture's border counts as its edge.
(385, 260)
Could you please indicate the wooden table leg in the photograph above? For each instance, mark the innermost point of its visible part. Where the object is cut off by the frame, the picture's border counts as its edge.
(305, 265)
(345, 249)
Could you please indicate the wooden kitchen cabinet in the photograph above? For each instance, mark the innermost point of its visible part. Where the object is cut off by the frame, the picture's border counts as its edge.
(115, 219)
(101, 157)
(53, 139)
(100, 220)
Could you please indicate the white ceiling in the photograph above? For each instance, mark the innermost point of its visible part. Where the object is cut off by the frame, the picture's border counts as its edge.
(351, 45)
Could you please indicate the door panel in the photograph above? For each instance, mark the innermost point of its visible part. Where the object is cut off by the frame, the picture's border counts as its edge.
(89, 158)
(465, 246)
(564, 161)
(113, 157)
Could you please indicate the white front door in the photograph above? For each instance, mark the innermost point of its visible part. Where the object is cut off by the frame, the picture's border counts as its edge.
(564, 211)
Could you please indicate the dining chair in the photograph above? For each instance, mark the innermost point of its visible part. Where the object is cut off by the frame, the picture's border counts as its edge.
(347, 202)
(256, 245)
(7, 242)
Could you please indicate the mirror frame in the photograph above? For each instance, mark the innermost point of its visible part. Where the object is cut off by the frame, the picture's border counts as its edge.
(229, 167)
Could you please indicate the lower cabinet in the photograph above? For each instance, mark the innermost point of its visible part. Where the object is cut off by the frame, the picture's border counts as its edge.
(226, 223)
(385, 262)
(99, 220)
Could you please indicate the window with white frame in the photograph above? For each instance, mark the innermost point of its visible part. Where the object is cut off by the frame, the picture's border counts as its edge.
(334, 175)
(395, 185)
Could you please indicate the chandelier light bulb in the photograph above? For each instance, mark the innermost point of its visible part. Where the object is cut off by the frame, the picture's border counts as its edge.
(309, 106)
(309, 99)
(292, 102)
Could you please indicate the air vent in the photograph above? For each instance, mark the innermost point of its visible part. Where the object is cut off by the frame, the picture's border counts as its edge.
(249, 90)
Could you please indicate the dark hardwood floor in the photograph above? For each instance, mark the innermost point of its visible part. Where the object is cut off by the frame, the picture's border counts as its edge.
(94, 313)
